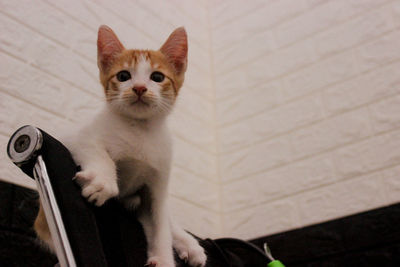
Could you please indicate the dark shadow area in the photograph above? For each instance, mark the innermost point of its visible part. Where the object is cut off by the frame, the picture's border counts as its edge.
(370, 238)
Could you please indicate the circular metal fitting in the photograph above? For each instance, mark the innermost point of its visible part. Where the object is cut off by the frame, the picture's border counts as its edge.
(24, 144)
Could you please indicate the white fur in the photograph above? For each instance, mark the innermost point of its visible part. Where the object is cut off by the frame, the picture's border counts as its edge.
(136, 141)
(141, 77)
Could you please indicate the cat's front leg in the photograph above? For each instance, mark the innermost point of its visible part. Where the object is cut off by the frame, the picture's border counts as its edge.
(154, 218)
(98, 177)
(187, 247)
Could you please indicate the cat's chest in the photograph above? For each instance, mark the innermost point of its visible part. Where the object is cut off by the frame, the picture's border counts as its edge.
(142, 158)
(147, 146)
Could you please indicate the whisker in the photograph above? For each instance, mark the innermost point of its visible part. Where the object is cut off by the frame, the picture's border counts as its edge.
(160, 104)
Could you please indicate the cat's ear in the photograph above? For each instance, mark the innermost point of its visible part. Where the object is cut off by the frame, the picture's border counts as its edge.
(108, 47)
(176, 49)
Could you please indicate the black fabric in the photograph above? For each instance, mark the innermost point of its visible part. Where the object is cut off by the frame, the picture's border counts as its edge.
(370, 238)
(233, 253)
(18, 207)
(121, 236)
(18, 243)
(20, 250)
(78, 217)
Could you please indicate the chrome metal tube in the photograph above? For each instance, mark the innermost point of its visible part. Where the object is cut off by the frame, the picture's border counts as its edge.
(53, 215)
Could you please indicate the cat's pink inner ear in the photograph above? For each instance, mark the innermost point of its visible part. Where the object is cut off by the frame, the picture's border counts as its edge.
(176, 49)
(108, 47)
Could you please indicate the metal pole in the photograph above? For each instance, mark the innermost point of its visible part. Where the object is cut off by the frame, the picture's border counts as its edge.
(53, 215)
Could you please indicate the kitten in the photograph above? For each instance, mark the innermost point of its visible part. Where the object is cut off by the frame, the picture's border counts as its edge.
(127, 145)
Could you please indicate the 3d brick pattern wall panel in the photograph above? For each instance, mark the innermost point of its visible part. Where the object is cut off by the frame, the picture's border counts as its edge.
(49, 78)
(307, 101)
(288, 115)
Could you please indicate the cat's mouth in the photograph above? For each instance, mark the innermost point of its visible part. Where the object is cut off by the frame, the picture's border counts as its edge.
(140, 102)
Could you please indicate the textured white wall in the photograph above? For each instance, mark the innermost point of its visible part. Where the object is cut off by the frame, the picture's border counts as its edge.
(289, 114)
(49, 78)
(308, 110)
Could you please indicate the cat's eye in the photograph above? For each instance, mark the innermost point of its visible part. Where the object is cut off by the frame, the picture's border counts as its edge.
(157, 76)
(123, 76)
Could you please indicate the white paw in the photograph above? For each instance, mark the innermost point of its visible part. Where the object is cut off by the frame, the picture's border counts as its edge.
(158, 262)
(193, 254)
(95, 188)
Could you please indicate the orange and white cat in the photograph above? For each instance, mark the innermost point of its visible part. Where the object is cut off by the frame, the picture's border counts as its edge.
(127, 145)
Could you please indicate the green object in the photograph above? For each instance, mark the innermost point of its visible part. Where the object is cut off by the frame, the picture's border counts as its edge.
(275, 263)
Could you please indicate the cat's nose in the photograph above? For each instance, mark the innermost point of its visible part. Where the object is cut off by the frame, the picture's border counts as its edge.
(139, 90)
